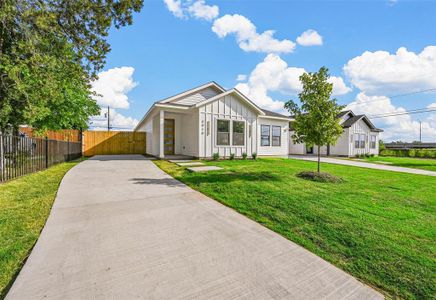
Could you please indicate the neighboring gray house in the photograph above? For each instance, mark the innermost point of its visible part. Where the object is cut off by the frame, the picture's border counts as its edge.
(360, 137)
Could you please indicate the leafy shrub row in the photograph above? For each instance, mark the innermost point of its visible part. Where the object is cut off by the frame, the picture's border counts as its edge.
(216, 156)
(364, 155)
(421, 153)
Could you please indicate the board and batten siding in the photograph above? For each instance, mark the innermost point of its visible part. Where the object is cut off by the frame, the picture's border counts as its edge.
(228, 107)
(284, 139)
(197, 97)
(361, 128)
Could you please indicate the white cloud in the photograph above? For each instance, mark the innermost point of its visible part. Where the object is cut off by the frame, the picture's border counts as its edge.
(433, 105)
(382, 73)
(175, 7)
(274, 75)
(198, 9)
(247, 36)
(113, 85)
(117, 121)
(401, 127)
(339, 86)
(310, 38)
(201, 10)
(241, 77)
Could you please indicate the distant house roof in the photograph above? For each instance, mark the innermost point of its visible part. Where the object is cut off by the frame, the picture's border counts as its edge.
(273, 114)
(345, 112)
(354, 119)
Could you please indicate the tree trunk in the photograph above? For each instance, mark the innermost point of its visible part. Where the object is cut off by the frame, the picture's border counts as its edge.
(319, 158)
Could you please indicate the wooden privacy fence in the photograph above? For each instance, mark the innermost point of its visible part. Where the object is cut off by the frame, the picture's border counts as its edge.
(113, 142)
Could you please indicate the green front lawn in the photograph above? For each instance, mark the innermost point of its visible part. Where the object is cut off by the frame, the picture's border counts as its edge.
(408, 162)
(379, 226)
(24, 207)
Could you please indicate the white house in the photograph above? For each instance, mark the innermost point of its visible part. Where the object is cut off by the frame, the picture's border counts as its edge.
(207, 120)
(360, 136)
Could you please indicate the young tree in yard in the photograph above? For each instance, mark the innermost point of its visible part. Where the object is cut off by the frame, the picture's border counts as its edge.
(316, 122)
(50, 51)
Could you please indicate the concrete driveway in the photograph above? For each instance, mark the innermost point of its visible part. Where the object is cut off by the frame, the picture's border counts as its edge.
(363, 164)
(121, 228)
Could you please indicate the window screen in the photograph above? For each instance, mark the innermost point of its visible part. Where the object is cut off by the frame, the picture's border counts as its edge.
(264, 135)
(238, 133)
(223, 133)
(276, 135)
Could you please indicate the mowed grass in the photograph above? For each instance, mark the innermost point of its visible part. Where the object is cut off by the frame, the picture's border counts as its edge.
(25, 204)
(378, 226)
(408, 162)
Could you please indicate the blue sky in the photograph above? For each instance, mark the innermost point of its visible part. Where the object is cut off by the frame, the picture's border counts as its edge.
(172, 47)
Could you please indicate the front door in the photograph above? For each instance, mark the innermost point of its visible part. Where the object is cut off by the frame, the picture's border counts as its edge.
(169, 136)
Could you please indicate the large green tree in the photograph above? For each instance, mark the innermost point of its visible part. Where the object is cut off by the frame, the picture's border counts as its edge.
(316, 119)
(50, 51)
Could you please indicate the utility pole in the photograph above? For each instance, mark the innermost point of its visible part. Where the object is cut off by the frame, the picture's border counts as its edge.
(420, 131)
(108, 118)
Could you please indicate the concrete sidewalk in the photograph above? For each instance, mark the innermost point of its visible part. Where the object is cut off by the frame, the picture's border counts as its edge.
(354, 163)
(121, 228)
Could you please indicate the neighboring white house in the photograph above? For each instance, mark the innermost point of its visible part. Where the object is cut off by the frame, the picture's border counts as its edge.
(360, 136)
(207, 120)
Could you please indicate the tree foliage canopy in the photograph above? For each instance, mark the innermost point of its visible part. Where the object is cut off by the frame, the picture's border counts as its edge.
(50, 50)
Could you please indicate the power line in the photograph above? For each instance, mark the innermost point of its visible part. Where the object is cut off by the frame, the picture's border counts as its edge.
(417, 111)
(396, 96)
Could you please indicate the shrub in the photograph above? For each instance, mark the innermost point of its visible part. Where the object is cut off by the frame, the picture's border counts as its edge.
(357, 155)
(244, 155)
(367, 155)
(421, 153)
(319, 177)
(232, 156)
(254, 155)
(371, 155)
(215, 156)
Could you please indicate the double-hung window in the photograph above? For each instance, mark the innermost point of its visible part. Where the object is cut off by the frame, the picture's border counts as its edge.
(276, 135)
(362, 141)
(356, 141)
(265, 133)
(373, 141)
(223, 133)
(238, 133)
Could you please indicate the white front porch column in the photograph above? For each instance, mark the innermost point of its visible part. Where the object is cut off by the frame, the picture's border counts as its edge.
(161, 133)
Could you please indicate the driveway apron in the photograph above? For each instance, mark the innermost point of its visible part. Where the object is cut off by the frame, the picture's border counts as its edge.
(121, 228)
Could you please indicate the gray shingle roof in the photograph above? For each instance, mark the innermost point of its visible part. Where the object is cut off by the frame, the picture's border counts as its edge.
(273, 114)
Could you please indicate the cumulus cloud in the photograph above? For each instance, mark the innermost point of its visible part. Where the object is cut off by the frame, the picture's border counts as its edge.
(381, 73)
(117, 121)
(247, 36)
(113, 85)
(175, 7)
(274, 75)
(401, 127)
(309, 38)
(241, 77)
(201, 10)
(197, 9)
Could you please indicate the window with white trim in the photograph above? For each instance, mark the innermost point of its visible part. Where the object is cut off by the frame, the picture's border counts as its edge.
(356, 141)
(276, 135)
(265, 134)
(238, 129)
(373, 141)
(223, 133)
(362, 141)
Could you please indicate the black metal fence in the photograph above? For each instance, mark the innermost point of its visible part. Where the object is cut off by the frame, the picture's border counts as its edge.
(20, 155)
